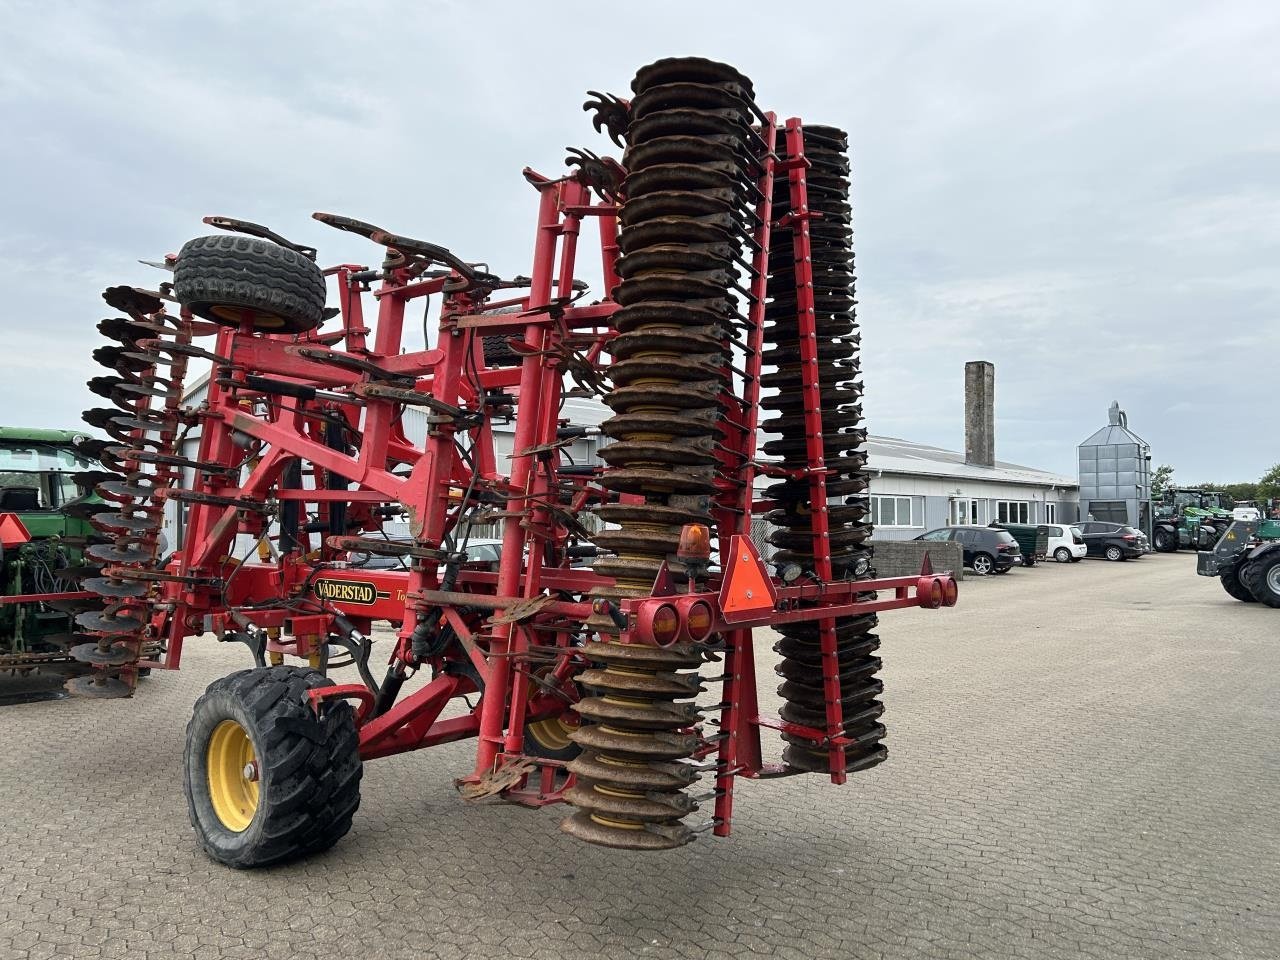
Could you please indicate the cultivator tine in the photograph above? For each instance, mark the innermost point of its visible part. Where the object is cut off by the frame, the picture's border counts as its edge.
(257, 230)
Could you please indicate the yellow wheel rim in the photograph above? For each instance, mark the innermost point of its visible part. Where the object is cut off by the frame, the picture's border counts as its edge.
(233, 779)
(552, 733)
(261, 320)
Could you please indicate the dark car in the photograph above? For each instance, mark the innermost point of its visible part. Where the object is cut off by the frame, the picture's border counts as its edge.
(486, 552)
(1115, 541)
(986, 550)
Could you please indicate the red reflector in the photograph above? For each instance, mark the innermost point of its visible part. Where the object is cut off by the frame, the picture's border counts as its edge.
(13, 532)
(665, 625)
(950, 592)
(929, 592)
(698, 621)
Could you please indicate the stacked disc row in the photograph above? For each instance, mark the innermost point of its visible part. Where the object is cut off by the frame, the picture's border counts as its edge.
(128, 517)
(683, 228)
(838, 411)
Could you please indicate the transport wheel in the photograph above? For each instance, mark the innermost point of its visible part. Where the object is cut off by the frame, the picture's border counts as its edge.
(1233, 582)
(1262, 577)
(1114, 553)
(266, 779)
(1062, 555)
(549, 738)
(1163, 542)
(227, 277)
(983, 564)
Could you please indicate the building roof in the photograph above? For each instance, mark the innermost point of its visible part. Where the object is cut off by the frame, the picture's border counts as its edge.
(1116, 431)
(891, 455)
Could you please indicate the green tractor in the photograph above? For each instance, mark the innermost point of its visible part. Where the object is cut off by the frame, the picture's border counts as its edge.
(1188, 518)
(1246, 559)
(45, 484)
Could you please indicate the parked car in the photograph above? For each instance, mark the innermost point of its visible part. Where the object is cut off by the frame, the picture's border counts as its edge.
(1065, 543)
(986, 550)
(1115, 541)
(479, 551)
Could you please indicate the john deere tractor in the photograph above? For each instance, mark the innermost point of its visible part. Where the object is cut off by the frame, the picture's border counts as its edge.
(44, 484)
(1189, 518)
(1246, 559)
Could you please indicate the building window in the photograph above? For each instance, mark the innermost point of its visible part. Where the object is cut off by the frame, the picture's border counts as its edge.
(892, 512)
(1050, 513)
(1013, 511)
(965, 512)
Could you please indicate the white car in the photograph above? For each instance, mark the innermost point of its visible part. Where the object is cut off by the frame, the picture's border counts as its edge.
(1066, 543)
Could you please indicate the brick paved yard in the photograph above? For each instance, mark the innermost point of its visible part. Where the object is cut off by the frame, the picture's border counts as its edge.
(1084, 763)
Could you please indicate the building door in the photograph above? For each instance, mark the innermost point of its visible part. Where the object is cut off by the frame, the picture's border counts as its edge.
(965, 512)
(1050, 513)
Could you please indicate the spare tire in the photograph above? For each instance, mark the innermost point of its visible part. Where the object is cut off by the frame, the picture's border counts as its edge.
(230, 278)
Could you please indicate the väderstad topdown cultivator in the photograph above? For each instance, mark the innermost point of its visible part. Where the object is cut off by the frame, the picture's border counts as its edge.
(727, 310)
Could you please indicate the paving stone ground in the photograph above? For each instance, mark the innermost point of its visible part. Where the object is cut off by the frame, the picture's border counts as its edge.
(1084, 763)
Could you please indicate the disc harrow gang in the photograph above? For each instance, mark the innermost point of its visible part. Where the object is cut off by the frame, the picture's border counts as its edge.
(146, 423)
(336, 472)
(828, 436)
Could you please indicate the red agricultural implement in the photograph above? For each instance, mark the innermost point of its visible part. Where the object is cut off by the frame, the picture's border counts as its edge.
(726, 311)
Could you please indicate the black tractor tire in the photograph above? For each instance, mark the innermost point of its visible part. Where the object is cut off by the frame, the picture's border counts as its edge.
(1262, 577)
(228, 278)
(1233, 582)
(1164, 541)
(308, 768)
(1113, 553)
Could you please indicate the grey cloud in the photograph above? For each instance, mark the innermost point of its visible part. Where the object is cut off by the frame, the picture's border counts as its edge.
(1084, 193)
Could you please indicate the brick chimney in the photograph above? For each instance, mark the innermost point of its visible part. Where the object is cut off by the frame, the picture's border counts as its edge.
(980, 413)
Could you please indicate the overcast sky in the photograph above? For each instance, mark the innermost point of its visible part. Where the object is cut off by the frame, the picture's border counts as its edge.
(1086, 194)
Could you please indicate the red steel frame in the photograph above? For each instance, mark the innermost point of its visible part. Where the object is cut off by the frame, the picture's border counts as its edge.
(527, 612)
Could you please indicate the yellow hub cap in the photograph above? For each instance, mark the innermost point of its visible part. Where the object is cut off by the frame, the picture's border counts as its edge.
(233, 775)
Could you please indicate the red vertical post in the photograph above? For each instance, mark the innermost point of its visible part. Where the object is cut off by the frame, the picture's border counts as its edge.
(740, 750)
(493, 705)
(544, 417)
(811, 384)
